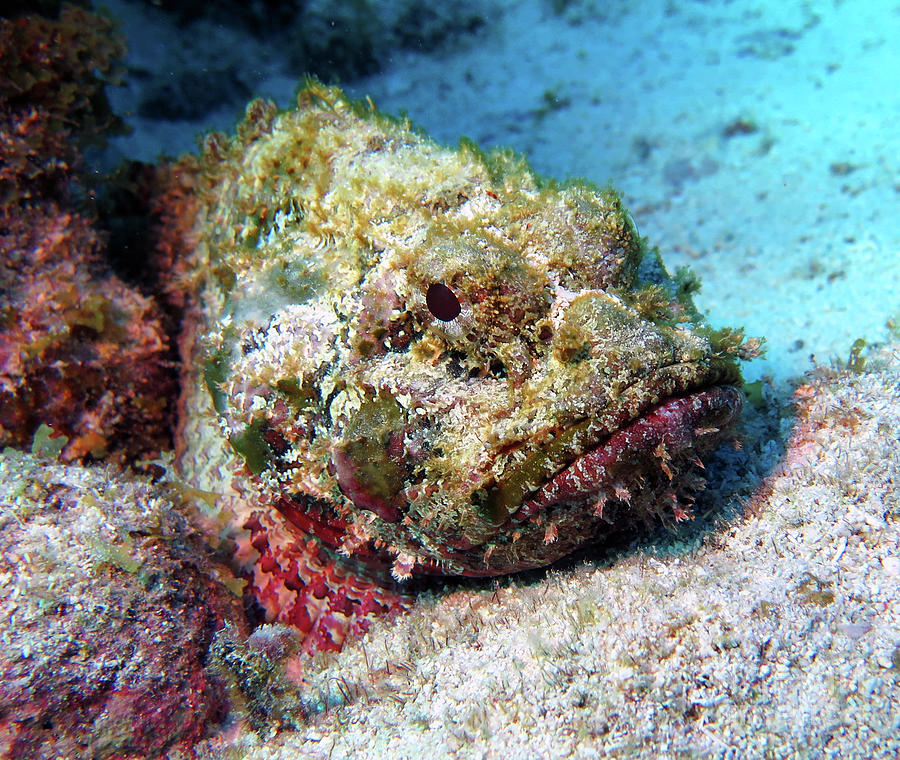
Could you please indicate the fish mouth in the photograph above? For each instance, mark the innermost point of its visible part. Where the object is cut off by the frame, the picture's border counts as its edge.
(694, 423)
(648, 467)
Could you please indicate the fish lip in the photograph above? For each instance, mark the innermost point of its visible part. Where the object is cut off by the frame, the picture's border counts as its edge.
(678, 423)
(520, 541)
(503, 498)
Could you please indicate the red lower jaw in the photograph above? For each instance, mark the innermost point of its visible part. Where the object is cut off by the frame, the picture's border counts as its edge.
(674, 426)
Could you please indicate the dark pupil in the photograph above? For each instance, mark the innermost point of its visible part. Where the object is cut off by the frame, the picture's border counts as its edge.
(442, 303)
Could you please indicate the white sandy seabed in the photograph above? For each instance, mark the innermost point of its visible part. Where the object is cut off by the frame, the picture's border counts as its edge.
(756, 142)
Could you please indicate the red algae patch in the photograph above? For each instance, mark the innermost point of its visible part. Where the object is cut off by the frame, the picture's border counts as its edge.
(80, 351)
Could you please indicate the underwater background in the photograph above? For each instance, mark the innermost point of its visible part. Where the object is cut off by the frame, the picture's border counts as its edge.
(754, 141)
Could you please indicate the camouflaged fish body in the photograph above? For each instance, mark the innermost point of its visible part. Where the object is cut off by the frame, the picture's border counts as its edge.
(410, 358)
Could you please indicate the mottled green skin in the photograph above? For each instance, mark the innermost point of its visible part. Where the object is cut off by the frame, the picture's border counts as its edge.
(319, 234)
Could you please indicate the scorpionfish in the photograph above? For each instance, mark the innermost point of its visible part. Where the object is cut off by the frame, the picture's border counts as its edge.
(403, 358)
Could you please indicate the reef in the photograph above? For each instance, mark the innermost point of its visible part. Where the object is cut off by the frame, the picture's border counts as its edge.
(402, 358)
(108, 605)
(80, 350)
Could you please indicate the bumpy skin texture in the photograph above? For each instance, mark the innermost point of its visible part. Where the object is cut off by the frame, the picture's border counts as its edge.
(410, 356)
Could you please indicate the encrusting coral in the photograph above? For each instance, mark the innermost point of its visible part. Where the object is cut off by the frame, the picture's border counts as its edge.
(401, 357)
(80, 351)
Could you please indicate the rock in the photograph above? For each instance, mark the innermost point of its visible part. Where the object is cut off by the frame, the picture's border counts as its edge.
(107, 609)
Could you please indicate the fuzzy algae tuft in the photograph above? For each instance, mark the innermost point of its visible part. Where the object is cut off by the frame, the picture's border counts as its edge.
(402, 357)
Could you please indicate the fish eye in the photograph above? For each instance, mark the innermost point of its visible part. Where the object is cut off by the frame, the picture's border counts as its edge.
(442, 302)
